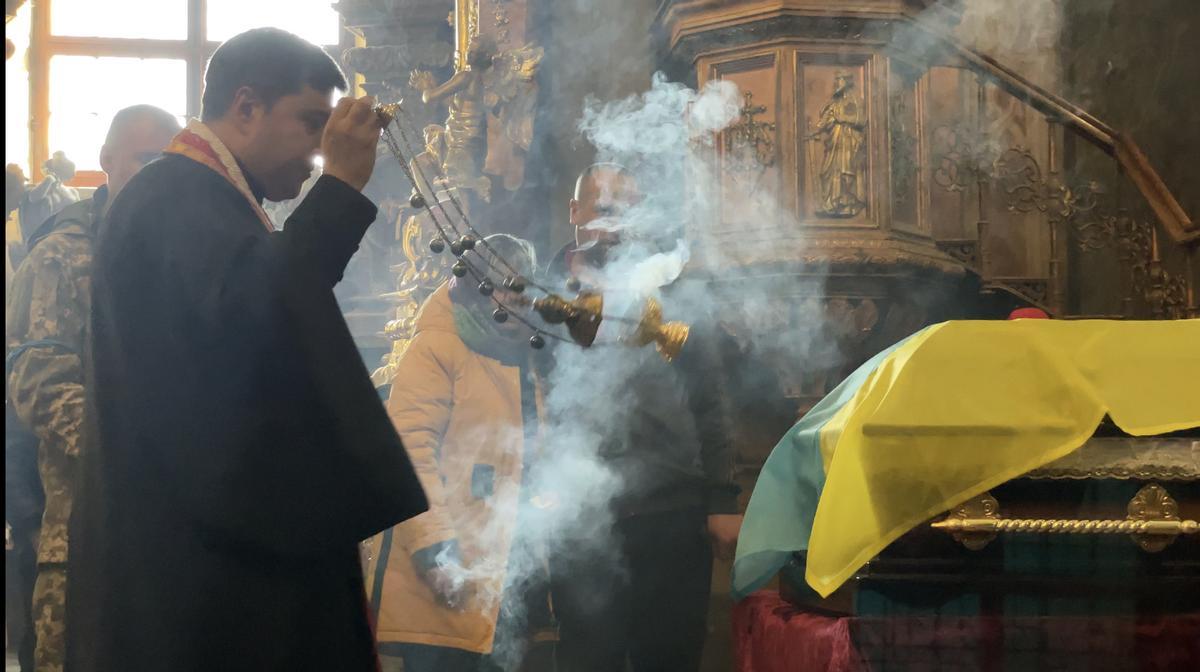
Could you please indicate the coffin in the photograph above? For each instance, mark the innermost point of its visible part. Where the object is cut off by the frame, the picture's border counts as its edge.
(1110, 529)
(1037, 467)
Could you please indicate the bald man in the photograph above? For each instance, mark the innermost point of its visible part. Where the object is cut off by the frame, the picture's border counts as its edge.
(48, 306)
(670, 446)
(602, 194)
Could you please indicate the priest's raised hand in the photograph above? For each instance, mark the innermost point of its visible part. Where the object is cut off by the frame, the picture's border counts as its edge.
(348, 144)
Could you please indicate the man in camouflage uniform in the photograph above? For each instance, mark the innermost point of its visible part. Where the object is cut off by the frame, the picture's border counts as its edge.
(48, 307)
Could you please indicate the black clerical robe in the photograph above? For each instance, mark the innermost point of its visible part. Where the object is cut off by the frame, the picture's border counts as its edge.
(236, 450)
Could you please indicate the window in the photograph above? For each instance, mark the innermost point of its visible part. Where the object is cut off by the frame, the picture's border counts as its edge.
(16, 93)
(131, 19)
(85, 92)
(89, 59)
(314, 21)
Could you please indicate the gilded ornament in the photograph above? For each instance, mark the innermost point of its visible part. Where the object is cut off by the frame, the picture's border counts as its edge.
(841, 131)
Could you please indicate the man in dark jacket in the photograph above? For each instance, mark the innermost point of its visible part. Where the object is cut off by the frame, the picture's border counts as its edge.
(235, 449)
(664, 437)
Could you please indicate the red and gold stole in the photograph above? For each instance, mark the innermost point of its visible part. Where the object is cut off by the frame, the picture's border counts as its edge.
(198, 143)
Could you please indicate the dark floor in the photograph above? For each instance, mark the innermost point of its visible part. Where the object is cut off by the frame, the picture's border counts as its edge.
(718, 651)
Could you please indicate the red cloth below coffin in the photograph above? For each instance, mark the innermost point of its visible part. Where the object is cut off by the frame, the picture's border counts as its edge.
(771, 635)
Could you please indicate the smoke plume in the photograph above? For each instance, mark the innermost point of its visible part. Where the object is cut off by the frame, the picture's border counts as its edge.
(664, 137)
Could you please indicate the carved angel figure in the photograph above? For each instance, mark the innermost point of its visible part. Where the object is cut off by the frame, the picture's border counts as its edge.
(511, 92)
(427, 166)
(497, 84)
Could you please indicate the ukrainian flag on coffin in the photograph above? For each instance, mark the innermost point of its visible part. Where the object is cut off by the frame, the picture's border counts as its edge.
(946, 414)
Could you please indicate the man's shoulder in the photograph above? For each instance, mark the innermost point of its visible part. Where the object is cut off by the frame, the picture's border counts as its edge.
(167, 193)
(59, 249)
(75, 219)
(50, 282)
(68, 244)
(167, 179)
(75, 214)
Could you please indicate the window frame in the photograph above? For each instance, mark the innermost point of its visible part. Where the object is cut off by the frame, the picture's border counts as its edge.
(195, 51)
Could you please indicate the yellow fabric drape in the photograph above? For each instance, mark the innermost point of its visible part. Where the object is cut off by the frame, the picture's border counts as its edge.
(966, 406)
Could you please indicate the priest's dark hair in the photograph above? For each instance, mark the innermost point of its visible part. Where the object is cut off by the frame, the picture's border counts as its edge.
(273, 62)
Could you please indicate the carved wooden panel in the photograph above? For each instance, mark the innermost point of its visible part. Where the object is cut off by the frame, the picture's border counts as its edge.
(837, 141)
(948, 122)
(749, 164)
(1016, 138)
(906, 87)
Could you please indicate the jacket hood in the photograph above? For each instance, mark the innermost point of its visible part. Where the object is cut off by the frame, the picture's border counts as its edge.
(438, 312)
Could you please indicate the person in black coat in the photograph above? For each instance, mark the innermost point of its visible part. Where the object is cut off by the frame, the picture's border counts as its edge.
(641, 595)
(235, 450)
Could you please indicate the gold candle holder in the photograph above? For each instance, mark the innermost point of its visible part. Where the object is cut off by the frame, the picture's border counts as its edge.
(582, 316)
(668, 337)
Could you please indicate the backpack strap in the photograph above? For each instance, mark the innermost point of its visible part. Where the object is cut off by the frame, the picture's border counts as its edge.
(16, 352)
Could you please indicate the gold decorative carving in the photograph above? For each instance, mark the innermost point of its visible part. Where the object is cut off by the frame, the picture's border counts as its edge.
(1138, 528)
(981, 508)
(1019, 177)
(465, 132)
(1153, 507)
(841, 155)
(502, 21)
(472, 21)
(426, 167)
(465, 20)
(1153, 523)
(749, 144)
(420, 274)
(490, 81)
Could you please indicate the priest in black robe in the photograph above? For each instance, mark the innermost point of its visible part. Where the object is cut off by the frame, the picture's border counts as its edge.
(235, 450)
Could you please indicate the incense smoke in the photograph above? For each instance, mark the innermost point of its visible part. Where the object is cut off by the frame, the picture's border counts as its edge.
(665, 138)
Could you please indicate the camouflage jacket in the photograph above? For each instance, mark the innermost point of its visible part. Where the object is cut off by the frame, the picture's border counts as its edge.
(48, 307)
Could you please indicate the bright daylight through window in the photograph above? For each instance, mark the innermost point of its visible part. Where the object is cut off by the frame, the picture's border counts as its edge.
(100, 57)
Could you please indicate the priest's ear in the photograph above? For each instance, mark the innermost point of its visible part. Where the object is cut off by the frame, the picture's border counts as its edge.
(247, 107)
